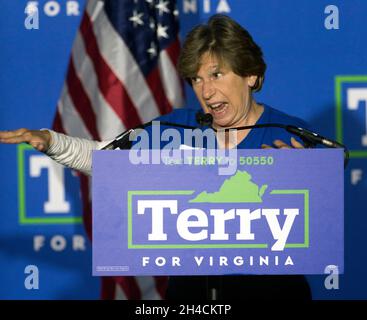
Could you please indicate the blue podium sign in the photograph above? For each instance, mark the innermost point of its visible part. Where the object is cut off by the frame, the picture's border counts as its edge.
(273, 212)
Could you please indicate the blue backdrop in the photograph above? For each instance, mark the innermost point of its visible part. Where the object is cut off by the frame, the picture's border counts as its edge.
(316, 57)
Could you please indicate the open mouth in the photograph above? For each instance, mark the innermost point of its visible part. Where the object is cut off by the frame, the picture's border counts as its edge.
(218, 108)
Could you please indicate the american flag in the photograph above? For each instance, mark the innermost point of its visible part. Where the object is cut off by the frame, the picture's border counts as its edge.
(122, 72)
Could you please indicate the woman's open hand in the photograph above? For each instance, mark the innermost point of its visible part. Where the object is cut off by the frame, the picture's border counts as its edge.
(38, 139)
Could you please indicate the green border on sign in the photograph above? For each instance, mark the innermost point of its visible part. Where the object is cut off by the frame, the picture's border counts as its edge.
(339, 81)
(23, 219)
(306, 210)
(130, 244)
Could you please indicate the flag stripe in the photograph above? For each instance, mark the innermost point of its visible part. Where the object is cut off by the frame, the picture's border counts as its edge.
(155, 85)
(173, 51)
(71, 120)
(81, 101)
(108, 289)
(148, 288)
(57, 124)
(130, 287)
(87, 207)
(161, 284)
(108, 122)
(171, 82)
(110, 86)
(119, 293)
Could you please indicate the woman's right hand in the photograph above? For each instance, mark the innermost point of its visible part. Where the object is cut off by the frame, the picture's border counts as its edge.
(38, 139)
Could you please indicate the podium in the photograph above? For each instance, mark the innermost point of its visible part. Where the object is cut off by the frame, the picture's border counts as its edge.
(216, 212)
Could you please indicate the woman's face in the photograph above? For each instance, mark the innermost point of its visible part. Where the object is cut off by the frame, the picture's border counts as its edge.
(222, 93)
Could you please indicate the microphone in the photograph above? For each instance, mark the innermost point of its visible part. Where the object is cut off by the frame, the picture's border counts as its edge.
(313, 137)
(204, 119)
(120, 142)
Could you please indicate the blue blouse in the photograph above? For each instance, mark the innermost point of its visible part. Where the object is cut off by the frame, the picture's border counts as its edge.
(256, 136)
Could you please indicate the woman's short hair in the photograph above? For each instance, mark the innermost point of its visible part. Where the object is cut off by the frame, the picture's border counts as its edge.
(229, 42)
